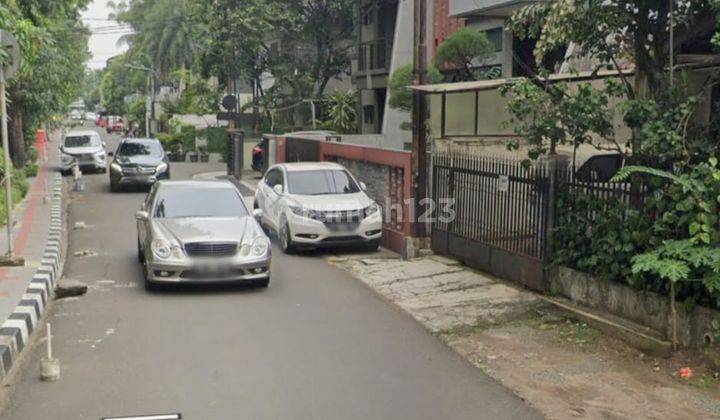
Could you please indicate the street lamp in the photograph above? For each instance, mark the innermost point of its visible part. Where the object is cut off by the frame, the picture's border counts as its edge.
(150, 111)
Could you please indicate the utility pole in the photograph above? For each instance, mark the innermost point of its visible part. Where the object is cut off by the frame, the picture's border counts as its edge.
(419, 139)
(151, 130)
(6, 153)
(150, 106)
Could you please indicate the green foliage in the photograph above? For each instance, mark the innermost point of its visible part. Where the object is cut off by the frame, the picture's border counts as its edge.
(303, 44)
(53, 45)
(400, 95)
(466, 49)
(216, 139)
(556, 114)
(188, 134)
(32, 154)
(118, 82)
(167, 32)
(618, 232)
(673, 238)
(342, 114)
(31, 170)
(198, 97)
(91, 93)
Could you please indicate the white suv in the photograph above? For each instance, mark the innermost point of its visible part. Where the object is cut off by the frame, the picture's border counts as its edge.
(85, 149)
(312, 205)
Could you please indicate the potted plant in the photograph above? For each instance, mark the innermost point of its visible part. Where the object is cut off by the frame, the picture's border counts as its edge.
(204, 156)
(193, 156)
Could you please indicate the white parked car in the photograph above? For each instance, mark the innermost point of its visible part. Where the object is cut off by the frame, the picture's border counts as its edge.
(313, 205)
(85, 149)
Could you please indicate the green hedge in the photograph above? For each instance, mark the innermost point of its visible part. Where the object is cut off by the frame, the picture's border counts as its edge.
(188, 134)
(216, 139)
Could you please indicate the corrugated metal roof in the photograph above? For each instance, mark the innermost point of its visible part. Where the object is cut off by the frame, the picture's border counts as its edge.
(496, 83)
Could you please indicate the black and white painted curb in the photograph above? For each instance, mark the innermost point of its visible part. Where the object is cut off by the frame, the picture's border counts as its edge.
(16, 330)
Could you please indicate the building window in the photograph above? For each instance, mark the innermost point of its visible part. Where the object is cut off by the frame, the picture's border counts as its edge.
(367, 15)
(495, 37)
(369, 114)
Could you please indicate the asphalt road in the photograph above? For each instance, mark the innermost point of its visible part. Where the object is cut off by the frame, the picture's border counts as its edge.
(316, 344)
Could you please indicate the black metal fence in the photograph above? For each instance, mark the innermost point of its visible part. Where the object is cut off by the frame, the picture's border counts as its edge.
(501, 213)
(504, 211)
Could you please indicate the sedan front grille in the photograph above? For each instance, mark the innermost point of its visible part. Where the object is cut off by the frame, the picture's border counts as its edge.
(211, 249)
(138, 170)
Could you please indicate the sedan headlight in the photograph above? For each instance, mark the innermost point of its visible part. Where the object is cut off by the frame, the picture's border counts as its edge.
(161, 168)
(371, 209)
(257, 248)
(115, 167)
(161, 248)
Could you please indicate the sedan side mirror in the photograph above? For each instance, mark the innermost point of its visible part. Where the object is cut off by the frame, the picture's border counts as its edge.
(111, 154)
(142, 215)
(363, 186)
(258, 214)
(278, 189)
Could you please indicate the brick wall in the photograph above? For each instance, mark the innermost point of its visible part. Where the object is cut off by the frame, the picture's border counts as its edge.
(443, 24)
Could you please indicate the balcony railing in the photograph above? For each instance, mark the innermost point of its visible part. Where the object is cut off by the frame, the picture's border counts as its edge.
(374, 55)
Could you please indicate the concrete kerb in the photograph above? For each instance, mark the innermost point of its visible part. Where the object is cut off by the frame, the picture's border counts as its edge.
(16, 331)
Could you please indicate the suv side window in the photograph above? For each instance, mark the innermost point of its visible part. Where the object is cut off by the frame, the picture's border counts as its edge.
(273, 178)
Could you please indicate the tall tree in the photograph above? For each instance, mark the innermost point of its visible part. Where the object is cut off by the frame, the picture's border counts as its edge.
(54, 50)
(165, 32)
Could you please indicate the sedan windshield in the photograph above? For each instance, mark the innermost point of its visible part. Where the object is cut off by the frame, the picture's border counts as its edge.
(81, 141)
(140, 149)
(335, 181)
(199, 202)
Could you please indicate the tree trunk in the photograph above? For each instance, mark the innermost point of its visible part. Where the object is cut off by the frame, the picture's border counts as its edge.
(17, 139)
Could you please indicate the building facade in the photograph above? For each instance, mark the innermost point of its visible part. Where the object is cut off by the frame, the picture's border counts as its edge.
(513, 56)
(384, 44)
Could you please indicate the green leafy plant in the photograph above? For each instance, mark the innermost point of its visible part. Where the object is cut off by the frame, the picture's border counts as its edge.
(466, 50)
(694, 256)
(31, 170)
(401, 97)
(342, 114)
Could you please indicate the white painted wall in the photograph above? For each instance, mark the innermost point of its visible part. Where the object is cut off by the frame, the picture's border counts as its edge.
(402, 54)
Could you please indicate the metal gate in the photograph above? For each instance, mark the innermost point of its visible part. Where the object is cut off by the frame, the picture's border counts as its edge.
(500, 218)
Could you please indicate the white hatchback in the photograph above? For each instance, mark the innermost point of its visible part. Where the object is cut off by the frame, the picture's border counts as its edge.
(320, 204)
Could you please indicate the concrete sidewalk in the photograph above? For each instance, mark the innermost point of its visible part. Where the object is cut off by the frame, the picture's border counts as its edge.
(30, 233)
(561, 366)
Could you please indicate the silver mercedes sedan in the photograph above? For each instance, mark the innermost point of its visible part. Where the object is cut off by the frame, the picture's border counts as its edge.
(200, 232)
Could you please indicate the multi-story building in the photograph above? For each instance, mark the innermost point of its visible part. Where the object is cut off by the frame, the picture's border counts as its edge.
(377, 33)
(513, 56)
(384, 44)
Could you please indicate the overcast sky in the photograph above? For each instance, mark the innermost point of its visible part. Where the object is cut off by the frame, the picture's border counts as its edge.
(104, 41)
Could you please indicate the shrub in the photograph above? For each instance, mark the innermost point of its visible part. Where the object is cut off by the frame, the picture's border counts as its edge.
(32, 154)
(31, 170)
(188, 133)
(216, 140)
